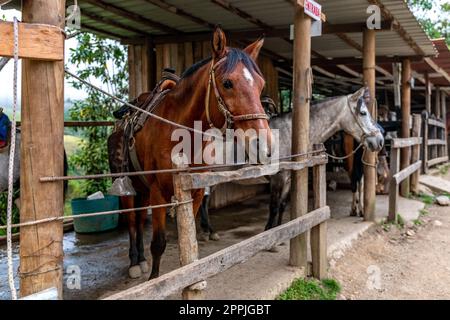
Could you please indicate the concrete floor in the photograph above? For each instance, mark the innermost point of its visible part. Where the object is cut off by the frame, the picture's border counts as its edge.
(103, 258)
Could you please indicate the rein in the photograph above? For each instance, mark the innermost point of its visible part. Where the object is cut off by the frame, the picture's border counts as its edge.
(230, 119)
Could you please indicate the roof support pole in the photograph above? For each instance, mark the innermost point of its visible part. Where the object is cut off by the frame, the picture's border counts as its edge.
(427, 93)
(406, 122)
(437, 105)
(42, 154)
(370, 175)
(300, 129)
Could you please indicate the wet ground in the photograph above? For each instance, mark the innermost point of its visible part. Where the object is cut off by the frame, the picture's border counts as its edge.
(103, 258)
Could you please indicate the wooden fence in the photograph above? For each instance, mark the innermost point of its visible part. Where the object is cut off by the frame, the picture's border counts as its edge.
(434, 148)
(400, 176)
(194, 271)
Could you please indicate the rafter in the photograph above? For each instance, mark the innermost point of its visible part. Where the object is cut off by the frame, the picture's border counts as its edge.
(133, 16)
(114, 23)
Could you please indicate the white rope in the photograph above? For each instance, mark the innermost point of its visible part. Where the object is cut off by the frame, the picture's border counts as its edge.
(12, 151)
(96, 214)
(142, 110)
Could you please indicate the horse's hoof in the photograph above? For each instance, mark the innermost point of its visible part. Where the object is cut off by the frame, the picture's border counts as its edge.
(353, 213)
(153, 276)
(135, 272)
(144, 266)
(214, 236)
(203, 236)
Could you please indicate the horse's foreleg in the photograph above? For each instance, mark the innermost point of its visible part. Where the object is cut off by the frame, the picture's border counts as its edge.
(140, 221)
(134, 271)
(158, 245)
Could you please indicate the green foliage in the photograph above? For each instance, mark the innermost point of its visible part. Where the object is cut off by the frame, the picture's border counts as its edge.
(302, 289)
(428, 200)
(104, 63)
(15, 213)
(435, 28)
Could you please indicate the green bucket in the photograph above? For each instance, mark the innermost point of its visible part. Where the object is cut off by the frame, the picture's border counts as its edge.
(97, 223)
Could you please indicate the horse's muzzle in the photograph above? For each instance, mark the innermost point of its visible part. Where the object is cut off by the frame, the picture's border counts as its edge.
(375, 143)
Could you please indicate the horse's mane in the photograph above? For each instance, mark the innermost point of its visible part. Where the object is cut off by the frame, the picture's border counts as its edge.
(234, 56)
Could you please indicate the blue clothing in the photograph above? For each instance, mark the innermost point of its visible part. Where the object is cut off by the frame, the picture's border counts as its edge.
(4, 126)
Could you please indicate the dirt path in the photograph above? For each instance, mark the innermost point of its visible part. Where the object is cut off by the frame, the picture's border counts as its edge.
(396, 265)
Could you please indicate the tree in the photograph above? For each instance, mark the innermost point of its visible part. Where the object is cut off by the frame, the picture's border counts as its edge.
(103, 62)
(434, 17)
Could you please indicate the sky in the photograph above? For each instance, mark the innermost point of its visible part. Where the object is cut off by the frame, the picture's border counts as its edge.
(6, 75)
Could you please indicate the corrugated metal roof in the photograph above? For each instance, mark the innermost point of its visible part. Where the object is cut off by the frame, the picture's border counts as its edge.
(275, 13)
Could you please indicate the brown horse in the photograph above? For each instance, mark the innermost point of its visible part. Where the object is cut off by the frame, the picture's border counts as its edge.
(233, 82)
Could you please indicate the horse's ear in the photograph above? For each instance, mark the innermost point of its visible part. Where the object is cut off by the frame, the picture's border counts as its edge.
(358, 94)
(253, 49)
(219, 43)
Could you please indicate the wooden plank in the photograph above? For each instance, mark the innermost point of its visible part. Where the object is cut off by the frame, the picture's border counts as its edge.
(370, 173)
(405, 173)
(405, 142)
(208, 179)
(222, 260)
(415, 156)
(425, 142)
(42, 154)
(436, 123)
(406, 122)
(319, 232)
(187, 235)
(437, 161)
(393, 187)
(436, 142)
(300, 129)
(36, 41)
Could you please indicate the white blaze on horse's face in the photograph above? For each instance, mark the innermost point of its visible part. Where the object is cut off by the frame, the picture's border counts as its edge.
(248, 76)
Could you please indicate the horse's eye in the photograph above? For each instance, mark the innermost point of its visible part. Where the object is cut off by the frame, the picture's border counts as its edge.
(363, 113)
(227, 84)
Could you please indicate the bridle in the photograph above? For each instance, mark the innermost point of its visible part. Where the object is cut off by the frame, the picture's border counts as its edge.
(230, 119)
(365, 134)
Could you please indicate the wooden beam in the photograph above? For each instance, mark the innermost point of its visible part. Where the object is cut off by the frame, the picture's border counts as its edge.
(114, 23)
(222, 260)
(437, 68)
(207, 179)
(349, 41)
(101, 32)
(407, 172)
(406, 142)
(300, 129)
(349, 61)
(132, 16)
(370, 174)
(181, 13)
(36, 41)
(42, 154)
(437, 161)
(415, 156)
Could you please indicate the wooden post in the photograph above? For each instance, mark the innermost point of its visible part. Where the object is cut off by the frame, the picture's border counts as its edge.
(370, 174)
(300, 129)
(416, 132)
(437, 104)
(319, 232)
(406, 121)
(187, 239)
(444, 117)
(425, 150)
(142, 68)
(393, 187)
(42, 154)
(443, 131)
(427, 93)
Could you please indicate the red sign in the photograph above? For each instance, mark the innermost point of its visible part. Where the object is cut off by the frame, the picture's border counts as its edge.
(313, 9)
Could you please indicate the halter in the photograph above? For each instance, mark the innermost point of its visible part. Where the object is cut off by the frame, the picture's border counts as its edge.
(230, 119)
(365, 134)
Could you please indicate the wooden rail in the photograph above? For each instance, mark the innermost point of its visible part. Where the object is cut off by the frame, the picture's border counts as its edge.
(190, 278)
(400, 176)
(83, 124)
(434, 148)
